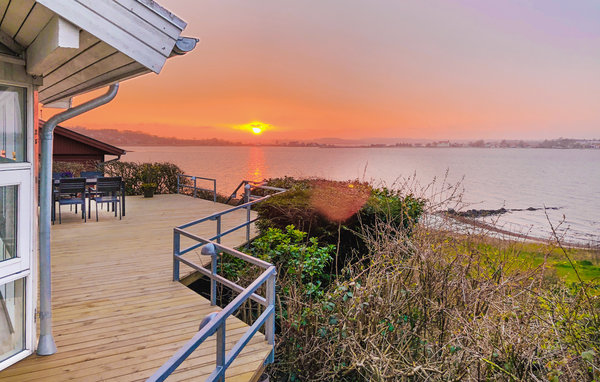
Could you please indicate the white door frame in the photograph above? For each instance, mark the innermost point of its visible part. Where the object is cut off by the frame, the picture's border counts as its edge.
(25, 264)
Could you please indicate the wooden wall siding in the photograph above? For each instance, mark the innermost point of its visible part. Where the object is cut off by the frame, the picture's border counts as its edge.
(68, 146)
(120, 27)
(86, 160)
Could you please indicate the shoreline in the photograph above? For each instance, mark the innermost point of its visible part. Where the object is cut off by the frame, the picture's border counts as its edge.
(490, 227)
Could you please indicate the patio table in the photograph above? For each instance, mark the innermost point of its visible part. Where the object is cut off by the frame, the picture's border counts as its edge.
(91, 182)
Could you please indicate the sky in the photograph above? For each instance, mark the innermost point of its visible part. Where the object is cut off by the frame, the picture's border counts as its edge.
(356, 69)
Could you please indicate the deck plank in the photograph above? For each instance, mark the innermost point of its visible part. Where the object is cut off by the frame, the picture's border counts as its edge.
(117, 315)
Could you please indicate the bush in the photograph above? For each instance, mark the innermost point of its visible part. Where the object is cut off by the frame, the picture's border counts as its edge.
(296, 258)
(437, 306)
(72, 168)
(337, 212)
(164, 175)
(299, 260)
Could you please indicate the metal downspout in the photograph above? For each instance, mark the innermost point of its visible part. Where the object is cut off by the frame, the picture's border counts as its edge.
(46, 345)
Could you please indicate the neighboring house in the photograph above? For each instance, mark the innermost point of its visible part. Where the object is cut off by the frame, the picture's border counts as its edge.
(50, 51)
(70, 146)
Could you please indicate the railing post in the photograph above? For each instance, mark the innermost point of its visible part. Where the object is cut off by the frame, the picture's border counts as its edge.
(219, 229)
(176, 248)
(178, 183)
(213, 282)
(270, 322)
(195, 191)
(221, 351)
(247, 196)
(215, 190)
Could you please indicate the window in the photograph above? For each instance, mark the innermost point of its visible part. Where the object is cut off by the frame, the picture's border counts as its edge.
(12, 318)
(8, 222)
(13, 137)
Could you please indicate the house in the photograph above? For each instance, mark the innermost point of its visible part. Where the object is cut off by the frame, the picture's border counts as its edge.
(51, 51)
(71, 146)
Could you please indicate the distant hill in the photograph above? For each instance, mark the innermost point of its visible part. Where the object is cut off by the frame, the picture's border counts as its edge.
(137, 138)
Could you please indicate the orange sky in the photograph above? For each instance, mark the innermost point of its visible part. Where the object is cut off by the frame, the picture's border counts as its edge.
(359, 69)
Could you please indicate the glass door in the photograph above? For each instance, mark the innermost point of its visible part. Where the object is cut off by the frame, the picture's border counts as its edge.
(16, 225)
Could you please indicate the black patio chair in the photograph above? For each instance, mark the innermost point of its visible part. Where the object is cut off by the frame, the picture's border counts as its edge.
(91, 188)
(71, 191)
(108, 190)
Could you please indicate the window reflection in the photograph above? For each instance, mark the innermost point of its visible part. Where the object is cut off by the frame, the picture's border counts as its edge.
(8, 222)
(12, 124)
(12, 318)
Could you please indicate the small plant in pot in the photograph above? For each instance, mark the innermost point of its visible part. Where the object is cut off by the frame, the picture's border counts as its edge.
(148, 189)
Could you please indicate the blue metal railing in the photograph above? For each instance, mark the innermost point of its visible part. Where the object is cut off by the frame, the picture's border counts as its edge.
(243, 185)
(216, 324)
(181, 185)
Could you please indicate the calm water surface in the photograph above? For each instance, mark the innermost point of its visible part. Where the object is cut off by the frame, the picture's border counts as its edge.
(492, 178)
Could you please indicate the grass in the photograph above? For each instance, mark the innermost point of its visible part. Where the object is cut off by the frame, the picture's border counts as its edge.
(531, 255)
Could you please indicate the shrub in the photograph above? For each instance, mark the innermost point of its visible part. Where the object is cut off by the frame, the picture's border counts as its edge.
(163, 174)
(337, 212)
(299, 260)
(438, 306)
(295, 257)
(73, 168)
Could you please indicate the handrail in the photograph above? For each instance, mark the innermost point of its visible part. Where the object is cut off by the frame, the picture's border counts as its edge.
(181, 185)
(254, 183)
(247, 206)
(217, 325)
(215, 322)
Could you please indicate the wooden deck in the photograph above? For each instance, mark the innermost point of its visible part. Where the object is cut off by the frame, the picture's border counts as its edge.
(117, 315)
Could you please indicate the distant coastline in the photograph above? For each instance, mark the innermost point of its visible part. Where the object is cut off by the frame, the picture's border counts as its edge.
(138, 138)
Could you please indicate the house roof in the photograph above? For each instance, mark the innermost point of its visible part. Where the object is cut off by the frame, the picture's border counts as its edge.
(89, 141)
(75, 46)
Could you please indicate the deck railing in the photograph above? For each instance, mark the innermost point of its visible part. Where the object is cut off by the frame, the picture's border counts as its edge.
(215, 323)
(182, 185)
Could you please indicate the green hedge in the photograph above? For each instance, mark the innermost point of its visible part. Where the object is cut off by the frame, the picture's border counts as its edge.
(163, 174)
(338, 212)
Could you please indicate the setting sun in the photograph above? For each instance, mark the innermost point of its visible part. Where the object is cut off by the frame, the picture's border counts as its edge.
(255, 127)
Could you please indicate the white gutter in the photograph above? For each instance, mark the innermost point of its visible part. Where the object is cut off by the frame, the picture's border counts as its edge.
(46, 345)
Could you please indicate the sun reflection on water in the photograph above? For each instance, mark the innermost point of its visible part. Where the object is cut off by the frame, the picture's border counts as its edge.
(256, 164)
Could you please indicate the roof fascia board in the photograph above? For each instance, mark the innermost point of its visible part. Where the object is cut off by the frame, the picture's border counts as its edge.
(163, 12)
(100, 25)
